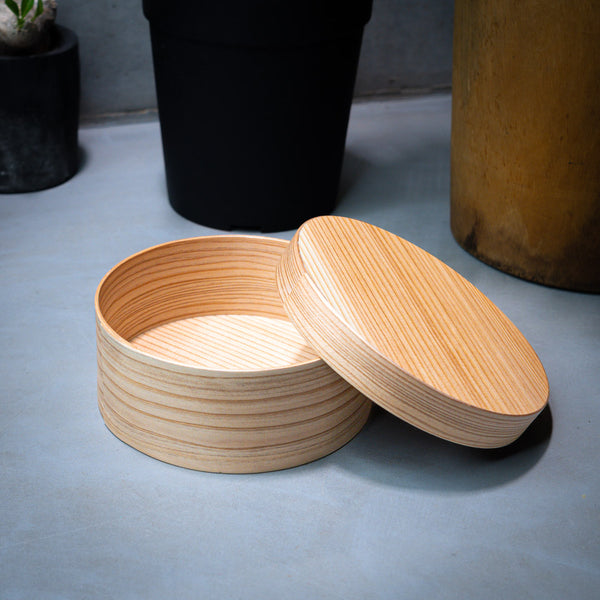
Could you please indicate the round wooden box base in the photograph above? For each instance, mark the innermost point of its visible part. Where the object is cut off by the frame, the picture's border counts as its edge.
(199, 366)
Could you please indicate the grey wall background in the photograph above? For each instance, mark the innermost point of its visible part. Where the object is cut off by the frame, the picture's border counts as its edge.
(407, 49)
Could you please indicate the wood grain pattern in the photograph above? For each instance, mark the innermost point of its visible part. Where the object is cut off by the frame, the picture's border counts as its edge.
(227, 342)
(199, 366)
(411, 333)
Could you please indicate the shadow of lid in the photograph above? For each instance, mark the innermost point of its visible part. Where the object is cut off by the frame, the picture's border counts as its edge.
(392, 452)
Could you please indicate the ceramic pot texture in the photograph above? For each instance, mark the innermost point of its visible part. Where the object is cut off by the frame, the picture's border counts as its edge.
(39, 116)
(526, 139)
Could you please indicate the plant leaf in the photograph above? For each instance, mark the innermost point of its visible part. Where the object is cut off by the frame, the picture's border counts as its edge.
(12, 5)
(26, 6)
(39, 10)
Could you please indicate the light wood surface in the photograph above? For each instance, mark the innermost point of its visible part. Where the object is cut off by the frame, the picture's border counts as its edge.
(411, 333)
(228, 342)
(199, 366)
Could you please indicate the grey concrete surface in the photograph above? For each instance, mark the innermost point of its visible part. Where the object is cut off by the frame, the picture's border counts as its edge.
(407, 47)
(115, 54)
(394, 514)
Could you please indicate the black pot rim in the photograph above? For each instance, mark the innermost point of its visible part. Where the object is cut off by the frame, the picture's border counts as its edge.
(66, 39)
(260, 22)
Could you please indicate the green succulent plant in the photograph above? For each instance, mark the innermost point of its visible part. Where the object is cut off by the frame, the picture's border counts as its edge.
(24, 9)
(26, 26)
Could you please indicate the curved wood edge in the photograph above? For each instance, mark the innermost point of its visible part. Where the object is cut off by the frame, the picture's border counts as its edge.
(219, 420)
(381, 380)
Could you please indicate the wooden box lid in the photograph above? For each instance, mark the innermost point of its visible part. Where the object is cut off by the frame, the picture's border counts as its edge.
(411, 333)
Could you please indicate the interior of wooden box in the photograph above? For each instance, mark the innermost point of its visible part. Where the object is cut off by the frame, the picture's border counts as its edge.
(210, 302)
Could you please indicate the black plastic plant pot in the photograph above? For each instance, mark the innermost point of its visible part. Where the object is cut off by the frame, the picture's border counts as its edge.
(39, 116)
(254, 98)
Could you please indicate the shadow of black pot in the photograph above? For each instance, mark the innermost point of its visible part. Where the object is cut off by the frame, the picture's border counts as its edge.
(39, 116)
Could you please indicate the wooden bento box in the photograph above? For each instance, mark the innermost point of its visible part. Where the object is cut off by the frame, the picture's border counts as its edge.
(199, 365)
(239, 354)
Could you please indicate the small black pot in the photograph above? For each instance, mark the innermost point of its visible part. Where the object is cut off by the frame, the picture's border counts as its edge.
(39, 116)
(254, 98)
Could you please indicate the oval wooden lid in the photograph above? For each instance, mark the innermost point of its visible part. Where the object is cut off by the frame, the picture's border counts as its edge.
(411, 333)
